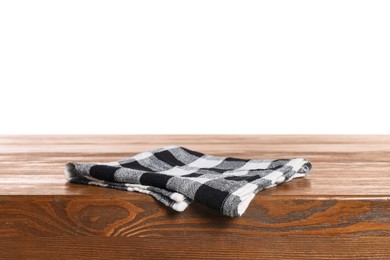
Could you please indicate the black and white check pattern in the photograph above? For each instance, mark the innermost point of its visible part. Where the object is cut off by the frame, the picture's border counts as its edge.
(176, 176)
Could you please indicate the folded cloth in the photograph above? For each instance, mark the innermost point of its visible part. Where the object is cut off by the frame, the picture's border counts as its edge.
(177, 176)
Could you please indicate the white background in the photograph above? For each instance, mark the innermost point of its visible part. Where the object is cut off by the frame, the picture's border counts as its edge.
(306, 67)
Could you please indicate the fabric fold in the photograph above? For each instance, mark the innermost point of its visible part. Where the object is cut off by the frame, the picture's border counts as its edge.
(176, 176)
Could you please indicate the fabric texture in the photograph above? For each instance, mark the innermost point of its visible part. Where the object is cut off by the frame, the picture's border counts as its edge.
(177, 176)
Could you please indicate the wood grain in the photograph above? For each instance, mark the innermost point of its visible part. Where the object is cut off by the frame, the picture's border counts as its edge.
(336, 212)
(228, 247)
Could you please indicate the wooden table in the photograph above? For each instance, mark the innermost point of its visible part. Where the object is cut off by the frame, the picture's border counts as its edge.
(340, 211)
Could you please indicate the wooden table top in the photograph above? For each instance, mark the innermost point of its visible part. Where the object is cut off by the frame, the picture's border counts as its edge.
(343, 202)
(343, 166)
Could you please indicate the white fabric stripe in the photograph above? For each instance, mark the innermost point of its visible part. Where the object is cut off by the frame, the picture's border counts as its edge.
(205, 163)
(98, 183)
(245, 190)
(180, 206)
(110, 164)
(234, 173)
(244, 204)
(296, 164)
(143, 155)
(136, 185)
(177, 197)
(255, 165)
(178, 171)
(273, 176)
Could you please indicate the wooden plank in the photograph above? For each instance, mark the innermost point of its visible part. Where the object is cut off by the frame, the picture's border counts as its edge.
(141, 215)
(209, 247)
(341, 208)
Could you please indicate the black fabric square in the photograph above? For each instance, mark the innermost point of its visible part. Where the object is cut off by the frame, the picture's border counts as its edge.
(103, 172)
(198, 154)
(192, 175)
(211, 197)
(215, 170)
(156, 180)
(167, 157)
(243, 178)
(277, 164)
(232, 159)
